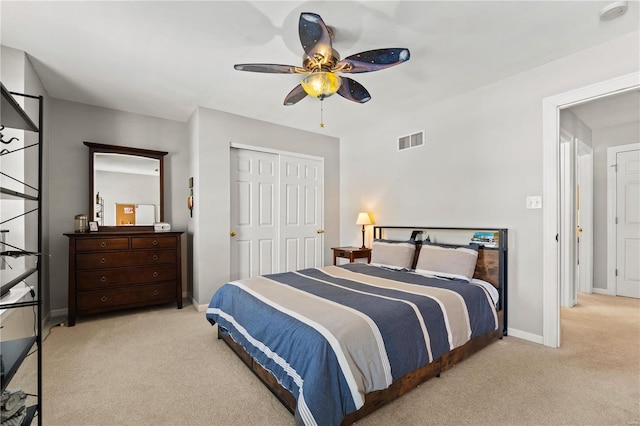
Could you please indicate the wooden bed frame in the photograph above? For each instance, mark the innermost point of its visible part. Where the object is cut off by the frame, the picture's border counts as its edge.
(491, 267)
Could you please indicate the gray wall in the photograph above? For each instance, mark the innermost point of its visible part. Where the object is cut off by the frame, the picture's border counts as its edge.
(211, 133)
(572, 124)
(73, 123)
(483, 157)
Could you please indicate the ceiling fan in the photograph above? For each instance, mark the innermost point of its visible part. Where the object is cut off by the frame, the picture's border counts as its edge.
(321, 63)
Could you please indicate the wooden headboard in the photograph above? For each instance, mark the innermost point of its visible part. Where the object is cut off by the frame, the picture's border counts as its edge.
(492, 261)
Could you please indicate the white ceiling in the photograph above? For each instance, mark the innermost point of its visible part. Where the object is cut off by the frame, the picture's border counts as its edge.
(166, 58)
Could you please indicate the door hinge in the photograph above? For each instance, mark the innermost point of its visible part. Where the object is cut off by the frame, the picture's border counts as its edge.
(616, 272)
(616, 220)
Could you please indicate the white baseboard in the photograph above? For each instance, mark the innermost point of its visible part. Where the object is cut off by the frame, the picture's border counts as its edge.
(525, 336)
(59, 313)
(604, 291)
(199, 308)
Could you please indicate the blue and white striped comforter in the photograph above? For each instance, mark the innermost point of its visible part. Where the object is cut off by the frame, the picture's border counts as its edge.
(333, 334)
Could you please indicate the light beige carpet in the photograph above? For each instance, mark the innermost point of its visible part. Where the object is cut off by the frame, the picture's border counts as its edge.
(165, 366)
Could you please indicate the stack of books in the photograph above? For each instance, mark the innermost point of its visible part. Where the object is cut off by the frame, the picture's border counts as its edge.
(486, 239)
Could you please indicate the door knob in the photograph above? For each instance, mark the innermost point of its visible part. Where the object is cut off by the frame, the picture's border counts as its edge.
(232, 233)
(320, 231)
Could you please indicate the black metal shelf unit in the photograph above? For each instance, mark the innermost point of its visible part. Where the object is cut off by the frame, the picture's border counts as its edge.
(14, 352)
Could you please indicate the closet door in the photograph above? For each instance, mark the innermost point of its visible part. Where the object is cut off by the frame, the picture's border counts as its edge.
(254, 213)
(301, 218)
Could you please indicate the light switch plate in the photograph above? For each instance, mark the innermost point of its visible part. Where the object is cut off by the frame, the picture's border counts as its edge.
(534, 202)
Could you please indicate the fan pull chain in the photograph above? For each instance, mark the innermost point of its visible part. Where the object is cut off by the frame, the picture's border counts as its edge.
(321, 113)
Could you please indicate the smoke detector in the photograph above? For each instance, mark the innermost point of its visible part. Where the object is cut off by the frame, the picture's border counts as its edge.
(613, 10)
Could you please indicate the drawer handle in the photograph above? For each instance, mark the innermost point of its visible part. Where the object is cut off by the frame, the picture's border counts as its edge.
(155, 292)
(155, 242)
(103, 244)
(155, 275)
(155, 257)
(103, 279)
(103, 299)
(103, 260)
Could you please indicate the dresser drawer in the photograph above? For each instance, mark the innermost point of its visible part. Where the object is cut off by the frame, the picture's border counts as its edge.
(90, 300)
(153, 242)
(102, 278)
(94, 244)
(125, 258)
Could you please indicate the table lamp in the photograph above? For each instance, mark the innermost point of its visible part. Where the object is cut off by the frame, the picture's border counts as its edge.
(363, 219)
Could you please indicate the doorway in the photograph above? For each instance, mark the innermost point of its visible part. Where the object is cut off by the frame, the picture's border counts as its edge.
(552, 243)
(277, 212)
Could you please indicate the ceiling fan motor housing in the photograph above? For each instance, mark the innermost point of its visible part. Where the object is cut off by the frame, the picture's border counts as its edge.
(320, 61)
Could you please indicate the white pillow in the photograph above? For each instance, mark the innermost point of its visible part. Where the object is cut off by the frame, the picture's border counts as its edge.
(393, 254)
(493, 292)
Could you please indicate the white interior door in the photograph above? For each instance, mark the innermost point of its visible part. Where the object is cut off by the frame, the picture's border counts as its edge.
(254, 213)
(628, 223)
(277, 213)
(584, 204)
(568, 290)
(302, 207)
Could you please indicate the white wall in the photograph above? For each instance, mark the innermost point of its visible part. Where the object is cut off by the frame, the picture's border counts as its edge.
(71, 124)
(483, 157)
(211, 134)
(602, 139)
(18, 75)
(13, 77)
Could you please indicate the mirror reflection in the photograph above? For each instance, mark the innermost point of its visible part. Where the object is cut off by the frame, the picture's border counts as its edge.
(125, 186)
(126, 189)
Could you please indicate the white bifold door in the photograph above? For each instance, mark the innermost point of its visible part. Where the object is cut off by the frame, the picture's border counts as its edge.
(276, 213)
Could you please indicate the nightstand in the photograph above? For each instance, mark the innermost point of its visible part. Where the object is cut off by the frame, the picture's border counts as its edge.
(351, 253)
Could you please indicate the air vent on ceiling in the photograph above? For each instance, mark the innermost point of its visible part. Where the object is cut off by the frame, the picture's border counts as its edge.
(411, 141)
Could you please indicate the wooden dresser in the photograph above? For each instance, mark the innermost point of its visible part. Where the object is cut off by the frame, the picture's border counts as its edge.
(118, 270)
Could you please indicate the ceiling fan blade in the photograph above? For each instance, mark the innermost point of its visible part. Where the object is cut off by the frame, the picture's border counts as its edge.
(268, 68)
(296, 95)
(354, 91)
(372, 60)
(314, 35)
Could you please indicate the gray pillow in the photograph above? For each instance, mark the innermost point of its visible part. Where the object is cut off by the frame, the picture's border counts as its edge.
(448, 261)
(393, 254)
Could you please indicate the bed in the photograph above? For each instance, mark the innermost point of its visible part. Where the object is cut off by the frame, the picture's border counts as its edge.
(336, 343)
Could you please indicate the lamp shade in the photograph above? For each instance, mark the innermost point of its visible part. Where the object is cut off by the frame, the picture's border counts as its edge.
(321, 84)
(363, 219)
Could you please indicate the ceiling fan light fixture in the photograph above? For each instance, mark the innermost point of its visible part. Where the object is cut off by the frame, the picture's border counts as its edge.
(321, 84)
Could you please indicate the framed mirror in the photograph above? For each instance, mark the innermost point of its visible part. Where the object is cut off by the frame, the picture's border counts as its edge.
(126, 186)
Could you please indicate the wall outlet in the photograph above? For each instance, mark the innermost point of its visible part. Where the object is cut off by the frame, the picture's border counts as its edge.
(534, 202)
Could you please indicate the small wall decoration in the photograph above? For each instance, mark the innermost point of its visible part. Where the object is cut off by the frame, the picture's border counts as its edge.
(190, 197)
